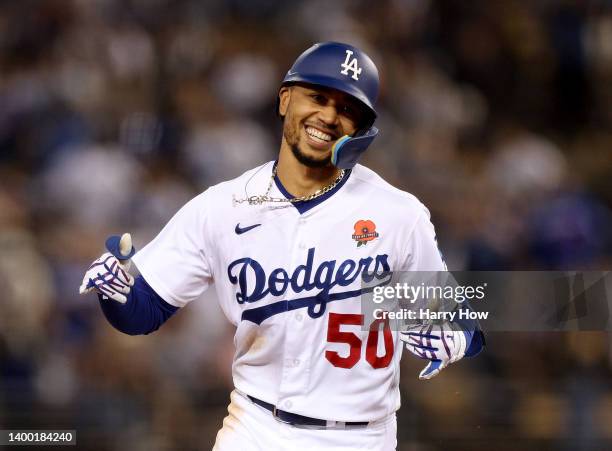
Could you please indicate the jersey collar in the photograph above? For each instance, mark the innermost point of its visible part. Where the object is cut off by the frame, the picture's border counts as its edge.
(304, 206)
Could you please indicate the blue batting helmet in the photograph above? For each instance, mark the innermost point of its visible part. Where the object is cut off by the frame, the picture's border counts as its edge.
(347, 69)
(339, 66)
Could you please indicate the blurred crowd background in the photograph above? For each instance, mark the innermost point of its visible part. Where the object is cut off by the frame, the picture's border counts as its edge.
(496, 114)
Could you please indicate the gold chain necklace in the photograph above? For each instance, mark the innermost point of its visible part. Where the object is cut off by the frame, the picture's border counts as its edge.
(261, 199)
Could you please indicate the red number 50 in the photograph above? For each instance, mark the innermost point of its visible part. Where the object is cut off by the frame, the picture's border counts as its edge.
(334, 335)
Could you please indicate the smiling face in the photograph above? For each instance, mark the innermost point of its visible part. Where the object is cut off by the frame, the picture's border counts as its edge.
(315, 117)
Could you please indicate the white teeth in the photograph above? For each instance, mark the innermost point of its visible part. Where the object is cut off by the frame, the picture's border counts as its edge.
(318, 134)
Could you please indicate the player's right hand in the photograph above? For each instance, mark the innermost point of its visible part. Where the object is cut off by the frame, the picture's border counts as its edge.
(108, 275)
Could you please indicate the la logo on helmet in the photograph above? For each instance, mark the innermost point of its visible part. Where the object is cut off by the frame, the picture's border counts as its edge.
(350, 64)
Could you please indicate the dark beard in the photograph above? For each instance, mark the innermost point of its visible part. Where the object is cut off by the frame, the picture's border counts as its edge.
(309, 161)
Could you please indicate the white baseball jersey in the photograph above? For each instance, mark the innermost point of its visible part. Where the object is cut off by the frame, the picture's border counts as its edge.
(291, 284)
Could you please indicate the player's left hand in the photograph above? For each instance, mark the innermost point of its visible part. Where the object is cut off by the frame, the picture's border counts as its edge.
(108, 275)
(441, 344)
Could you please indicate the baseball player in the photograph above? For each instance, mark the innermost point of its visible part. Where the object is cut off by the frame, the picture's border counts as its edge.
(288, 246)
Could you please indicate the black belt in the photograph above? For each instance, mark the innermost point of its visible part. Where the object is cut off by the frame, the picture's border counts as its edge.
(300, 420)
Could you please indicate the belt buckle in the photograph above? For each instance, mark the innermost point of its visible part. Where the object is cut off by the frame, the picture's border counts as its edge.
(277, 418)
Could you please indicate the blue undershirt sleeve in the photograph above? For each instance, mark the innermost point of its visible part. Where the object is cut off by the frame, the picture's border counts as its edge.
(473, 331)
(144, 312)
(477, 344)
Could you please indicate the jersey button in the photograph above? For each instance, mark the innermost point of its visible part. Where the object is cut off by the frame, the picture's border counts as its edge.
(296, 362)
(299, 316)
(288, 404)
(302, 246)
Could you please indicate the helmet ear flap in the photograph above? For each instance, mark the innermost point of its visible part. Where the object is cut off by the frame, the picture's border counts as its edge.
(347, 150)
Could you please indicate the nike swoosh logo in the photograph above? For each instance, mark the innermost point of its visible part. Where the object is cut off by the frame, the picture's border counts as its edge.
(240, 230)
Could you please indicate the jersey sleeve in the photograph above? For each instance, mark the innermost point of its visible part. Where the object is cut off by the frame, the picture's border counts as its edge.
(423, 253)
(175, 263)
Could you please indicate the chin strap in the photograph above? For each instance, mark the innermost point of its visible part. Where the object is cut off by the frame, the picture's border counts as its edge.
(347, 150)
